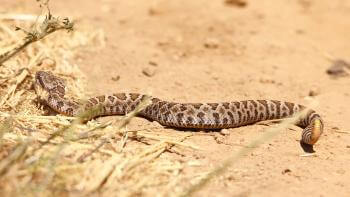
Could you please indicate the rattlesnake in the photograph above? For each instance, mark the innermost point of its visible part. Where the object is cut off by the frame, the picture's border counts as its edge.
(51, 90)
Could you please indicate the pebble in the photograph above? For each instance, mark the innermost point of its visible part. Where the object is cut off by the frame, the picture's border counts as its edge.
(285, 171)
(314, 92)
(338, 68)
(152, 63)
(237, 3)
(149, 72)
(224, 131)
(116, 78)
(211, 43)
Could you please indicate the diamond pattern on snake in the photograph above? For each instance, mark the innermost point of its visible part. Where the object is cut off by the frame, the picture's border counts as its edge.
(51, 90)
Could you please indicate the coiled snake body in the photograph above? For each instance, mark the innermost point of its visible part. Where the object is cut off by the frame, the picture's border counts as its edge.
(181, 115)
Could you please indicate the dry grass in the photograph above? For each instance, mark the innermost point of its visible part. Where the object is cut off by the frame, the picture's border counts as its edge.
(56, 155)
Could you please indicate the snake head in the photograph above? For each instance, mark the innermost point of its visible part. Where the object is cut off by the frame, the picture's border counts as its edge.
(47, 82)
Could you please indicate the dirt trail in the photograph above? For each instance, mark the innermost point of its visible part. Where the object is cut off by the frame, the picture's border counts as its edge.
(209, 51)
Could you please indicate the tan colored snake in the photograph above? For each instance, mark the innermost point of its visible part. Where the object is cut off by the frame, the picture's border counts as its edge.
(181, 115)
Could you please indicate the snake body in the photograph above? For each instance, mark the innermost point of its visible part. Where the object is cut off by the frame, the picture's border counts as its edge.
(181, 115)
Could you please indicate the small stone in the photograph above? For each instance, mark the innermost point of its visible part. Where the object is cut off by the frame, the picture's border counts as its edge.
(314, 92)
(338, 68)
(211, 43)
(347, 146)
(152, 63)
(224, 131)
(285, 171)
(149, 72)
(116, 78)
(237, 3)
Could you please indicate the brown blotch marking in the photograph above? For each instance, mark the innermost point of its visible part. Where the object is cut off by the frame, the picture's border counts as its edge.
(155, 107)
(148, 110)
(111, 99)
(213, 105)
(225, 120)
(190, 120)
(222, 111)
(200, 115)
(239, 116)
(197, 105)
(162, 110)
(190, 111)
(216, 118)
(175, 109)
(120, 96)
(69, 111)
(205, 109)
(244, 119)
(161, 103)
(167, 114)
(233, 108)
(230, 114)
(50, 98)
(278, 108)
(201, 122)
(121, 106)
(264, 103)
(245, 104)
(179, 116)
(183, 107)
(134, 96)
(290, 107)
(165, 117)
(255, 104)
(261, 108)
(93, 101)
(248, 116)
(237, 104)
(60, 90)
(226, 105)
(60, 104)
(256, 114)
(101, 98)
(285, 114)
(252, 105)
(155, 100)
(284, 109)
(261, 117)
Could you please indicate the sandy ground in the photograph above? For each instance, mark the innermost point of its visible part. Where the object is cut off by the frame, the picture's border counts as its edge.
(210, 51)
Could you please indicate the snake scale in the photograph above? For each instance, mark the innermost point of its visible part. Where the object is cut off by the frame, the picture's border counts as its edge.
(180, 115)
